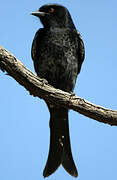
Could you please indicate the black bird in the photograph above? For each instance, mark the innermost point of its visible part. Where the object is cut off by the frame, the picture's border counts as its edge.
(58, 53)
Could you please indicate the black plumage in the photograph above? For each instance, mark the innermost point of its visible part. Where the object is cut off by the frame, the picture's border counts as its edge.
(58, 54)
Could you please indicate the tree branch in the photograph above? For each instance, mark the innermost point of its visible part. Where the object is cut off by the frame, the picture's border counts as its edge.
(40, 88)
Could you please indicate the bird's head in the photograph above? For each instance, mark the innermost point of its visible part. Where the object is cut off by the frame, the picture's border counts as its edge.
(54, 15)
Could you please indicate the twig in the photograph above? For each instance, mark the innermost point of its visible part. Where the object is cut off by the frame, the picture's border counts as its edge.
(40, 88)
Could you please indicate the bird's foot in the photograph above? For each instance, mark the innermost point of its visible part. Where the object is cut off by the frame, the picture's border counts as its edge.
(71, 95)
(44, 81)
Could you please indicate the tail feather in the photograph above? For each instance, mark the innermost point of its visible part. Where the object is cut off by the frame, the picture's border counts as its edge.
(67, 159)
(54, 157)
(60, 148)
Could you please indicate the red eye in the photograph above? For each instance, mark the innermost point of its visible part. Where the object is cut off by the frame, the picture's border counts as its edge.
(51, 10)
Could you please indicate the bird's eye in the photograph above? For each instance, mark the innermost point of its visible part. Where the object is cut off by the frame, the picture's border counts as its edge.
(51, 10)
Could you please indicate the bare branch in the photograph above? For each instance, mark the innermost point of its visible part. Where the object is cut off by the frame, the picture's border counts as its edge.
(40, 88)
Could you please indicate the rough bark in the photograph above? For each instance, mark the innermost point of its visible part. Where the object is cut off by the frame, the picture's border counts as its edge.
(40, 88)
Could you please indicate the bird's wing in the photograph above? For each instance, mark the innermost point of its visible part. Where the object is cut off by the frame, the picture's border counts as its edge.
(35, 48)
(80, 51)
(35, 44)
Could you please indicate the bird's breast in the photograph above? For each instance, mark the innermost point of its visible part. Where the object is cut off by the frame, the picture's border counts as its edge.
(58, 58)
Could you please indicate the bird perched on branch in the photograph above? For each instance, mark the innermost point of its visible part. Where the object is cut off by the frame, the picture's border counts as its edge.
(58, 54)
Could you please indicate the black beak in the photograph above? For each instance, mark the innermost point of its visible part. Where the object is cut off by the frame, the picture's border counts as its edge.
(38, 13)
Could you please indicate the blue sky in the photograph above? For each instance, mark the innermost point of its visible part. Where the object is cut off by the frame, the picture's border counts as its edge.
(24, 120)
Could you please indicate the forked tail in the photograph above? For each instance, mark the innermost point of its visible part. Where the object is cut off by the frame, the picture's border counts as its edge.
(60, 148)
